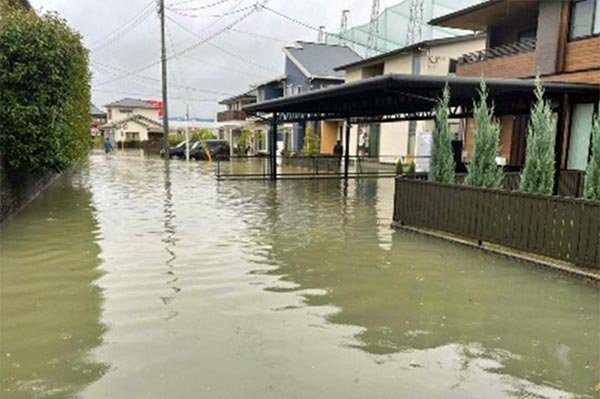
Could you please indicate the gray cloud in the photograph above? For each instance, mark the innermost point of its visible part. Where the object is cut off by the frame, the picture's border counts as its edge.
(205, 67)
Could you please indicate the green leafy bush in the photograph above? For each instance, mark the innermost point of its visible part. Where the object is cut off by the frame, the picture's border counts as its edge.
(592, 176)
(538, 174)
(443, 166)
(483, 170)
(412, 168)
(44, 92)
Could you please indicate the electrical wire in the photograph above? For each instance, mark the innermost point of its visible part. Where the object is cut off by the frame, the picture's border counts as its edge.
(123, 30)
(255, 9)
(225, 14)
(216, 3)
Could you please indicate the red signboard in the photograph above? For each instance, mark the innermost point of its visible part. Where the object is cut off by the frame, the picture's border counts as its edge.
(159, 104)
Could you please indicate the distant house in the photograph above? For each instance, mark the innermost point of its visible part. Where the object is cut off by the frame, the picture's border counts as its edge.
(132, 120)
(98, 119)
(233, 120)
(308, 67)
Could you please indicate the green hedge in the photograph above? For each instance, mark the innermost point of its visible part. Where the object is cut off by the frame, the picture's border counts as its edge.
(44, 92)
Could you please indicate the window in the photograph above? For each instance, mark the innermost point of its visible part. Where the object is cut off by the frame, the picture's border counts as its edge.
(452, 66)
(579, 142)
(132, 136)
(298, 89)
(527, 35)
(412, 137)
(585, 18)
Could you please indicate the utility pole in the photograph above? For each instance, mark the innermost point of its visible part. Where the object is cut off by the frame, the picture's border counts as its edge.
(344, 27)
(373, 29)
(163, 50)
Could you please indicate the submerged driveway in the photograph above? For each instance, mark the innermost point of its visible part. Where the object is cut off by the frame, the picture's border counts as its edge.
(129, 279)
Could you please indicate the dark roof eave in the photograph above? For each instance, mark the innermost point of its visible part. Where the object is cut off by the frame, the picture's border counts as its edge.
(408, 49)
(406, 83)
(477, 7)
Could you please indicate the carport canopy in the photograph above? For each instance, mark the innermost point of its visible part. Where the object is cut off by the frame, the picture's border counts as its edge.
(396, 97)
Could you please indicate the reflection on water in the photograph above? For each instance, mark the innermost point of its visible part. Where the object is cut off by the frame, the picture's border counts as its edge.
(249, 289)
(49, 303)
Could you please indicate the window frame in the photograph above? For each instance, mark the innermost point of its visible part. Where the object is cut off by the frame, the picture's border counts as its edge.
(595, 12)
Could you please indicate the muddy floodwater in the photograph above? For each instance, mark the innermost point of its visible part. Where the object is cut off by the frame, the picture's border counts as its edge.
(131, 279)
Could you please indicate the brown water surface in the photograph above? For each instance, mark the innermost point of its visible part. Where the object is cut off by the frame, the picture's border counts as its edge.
(130, 279)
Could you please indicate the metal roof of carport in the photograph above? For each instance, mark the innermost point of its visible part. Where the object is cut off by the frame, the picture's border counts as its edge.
(409, 97)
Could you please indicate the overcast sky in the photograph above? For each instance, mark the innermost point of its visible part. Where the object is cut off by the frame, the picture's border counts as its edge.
(248, 53)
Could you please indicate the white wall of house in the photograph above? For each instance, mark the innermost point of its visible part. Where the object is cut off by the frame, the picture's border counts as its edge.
(435, 60)
(132, 132)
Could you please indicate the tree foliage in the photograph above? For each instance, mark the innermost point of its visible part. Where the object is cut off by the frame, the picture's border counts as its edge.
(443, 166)
(312, 143)
(483, 170)
(203, 134)
(44, 92)
(592, 176)
(538, 174)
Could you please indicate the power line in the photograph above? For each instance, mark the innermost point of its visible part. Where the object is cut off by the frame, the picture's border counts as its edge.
(225, 14)
(255, 9)
(148, 78)
(216, 3)
(120, 32)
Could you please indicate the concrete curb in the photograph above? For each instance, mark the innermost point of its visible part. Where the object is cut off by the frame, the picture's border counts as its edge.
(552, 265)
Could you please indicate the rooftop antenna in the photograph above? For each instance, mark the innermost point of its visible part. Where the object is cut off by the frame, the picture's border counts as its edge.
(415, 22)
(344, 27)
(373, 29)
(321, 38)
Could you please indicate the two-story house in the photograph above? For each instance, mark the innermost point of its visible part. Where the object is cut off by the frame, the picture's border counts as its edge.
(308, 66)
(132, 120)
(233, 120)
(387, 142)
(560, 41)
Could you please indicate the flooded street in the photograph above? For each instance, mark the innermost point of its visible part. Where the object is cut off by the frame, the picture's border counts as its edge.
(128, 279)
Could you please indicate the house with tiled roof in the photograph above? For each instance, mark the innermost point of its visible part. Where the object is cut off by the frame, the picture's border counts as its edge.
(131, 120)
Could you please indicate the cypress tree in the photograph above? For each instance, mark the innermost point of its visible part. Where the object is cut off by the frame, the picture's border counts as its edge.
(442, 158)
(592, 176)
(483, 170)
(538, 175)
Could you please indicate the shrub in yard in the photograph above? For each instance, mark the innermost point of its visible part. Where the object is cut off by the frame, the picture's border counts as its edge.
(442, 157)
(412, 168)
(399, 167)
(312, 144)
(592, 176)
(539, 171)
(44, 92)
(483, 170)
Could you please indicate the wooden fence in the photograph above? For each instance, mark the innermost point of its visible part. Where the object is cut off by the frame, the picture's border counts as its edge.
(570, 182)
(561, 228)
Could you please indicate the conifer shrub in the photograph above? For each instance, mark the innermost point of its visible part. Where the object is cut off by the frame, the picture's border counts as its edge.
(592, 177)
(483, 170)
(539, 172)
(443, 167)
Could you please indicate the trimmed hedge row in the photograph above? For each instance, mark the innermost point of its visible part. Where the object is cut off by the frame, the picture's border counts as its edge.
(44, 92)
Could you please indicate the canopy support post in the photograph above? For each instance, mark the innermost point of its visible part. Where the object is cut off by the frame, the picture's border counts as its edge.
(347, 150)
(273, 147)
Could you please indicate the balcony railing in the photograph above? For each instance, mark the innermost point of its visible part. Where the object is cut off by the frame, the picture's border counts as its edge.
(506, 50)
(231, 115)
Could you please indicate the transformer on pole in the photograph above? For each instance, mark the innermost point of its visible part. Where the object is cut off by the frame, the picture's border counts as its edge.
(321, 38)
